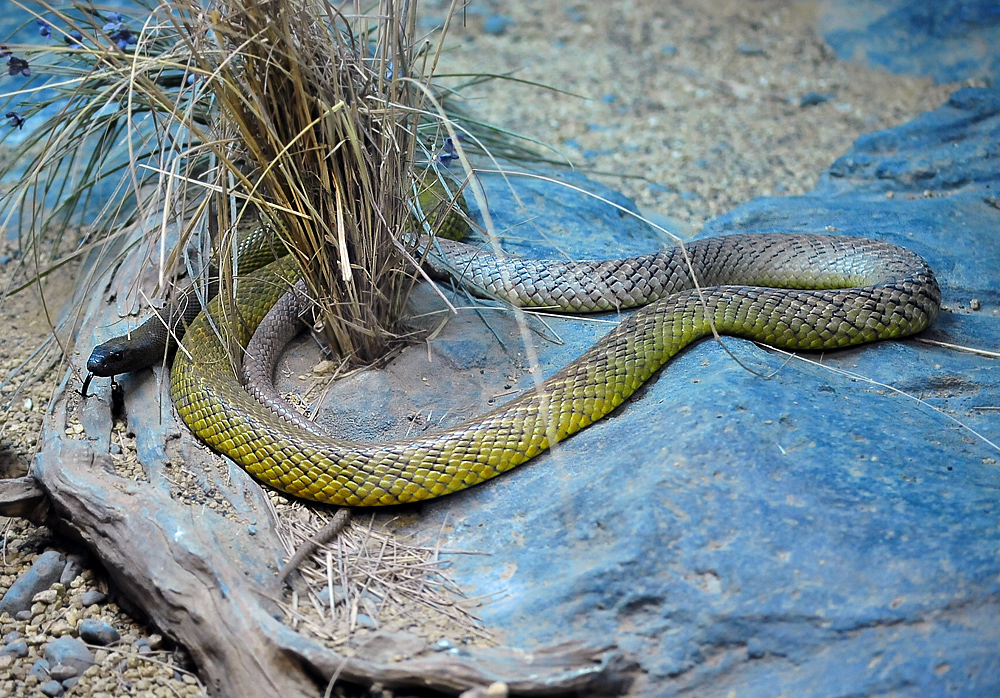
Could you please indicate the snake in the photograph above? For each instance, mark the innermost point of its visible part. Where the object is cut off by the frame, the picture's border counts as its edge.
(795, 291)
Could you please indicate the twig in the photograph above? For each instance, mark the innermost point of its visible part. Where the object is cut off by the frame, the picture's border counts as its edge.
(322, 537)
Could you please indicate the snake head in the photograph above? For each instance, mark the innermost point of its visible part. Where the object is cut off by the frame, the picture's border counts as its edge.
(110, 358)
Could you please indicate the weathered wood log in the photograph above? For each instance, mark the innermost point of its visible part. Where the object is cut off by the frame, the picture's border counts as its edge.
(24, 498)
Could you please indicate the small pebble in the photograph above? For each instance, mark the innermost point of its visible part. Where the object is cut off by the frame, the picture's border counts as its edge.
(339, 595)
(97, 632)
(61, 672)
(497, 25)
(750, 50)
(70, 682)
(18, 648)
(47, 597)
(27, 404)
(324, 367)
(89, 598)
(669, 50)
(811, 99)
(366, 621)
(974, 304)
(61, 627)
(74, 566)
(51, 688)
(23, 615)
(40, 669)
(10, 637)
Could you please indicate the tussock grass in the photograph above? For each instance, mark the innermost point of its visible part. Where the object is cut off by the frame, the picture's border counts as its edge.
(322, 107)
(196, 123)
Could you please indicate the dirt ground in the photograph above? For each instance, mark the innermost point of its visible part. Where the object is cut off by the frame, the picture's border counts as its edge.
(689, 107)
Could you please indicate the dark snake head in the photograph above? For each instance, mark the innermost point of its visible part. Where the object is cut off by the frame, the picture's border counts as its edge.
(110, 358)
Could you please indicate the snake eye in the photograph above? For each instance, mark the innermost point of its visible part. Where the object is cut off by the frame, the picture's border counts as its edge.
(117, 355)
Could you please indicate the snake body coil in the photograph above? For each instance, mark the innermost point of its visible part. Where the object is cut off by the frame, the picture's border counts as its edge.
(789, 290)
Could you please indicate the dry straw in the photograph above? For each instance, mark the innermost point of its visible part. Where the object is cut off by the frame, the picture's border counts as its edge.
(320, 104)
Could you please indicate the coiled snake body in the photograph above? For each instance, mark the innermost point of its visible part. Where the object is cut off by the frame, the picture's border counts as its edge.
(793, 291)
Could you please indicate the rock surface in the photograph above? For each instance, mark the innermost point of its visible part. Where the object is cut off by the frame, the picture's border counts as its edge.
(950, 40)
(828, 529)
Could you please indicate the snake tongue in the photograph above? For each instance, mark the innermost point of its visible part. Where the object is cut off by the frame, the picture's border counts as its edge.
(86, 383)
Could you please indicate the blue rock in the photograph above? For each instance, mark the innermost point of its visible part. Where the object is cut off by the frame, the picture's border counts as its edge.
(74, 566)
(950, 40)
(89, 598)
(43, 573)
(51, 688)
(669, 50)
(40, 669)
(17, 648)
(800, 529)
(948, 148)
(811, 99)
(10, 637)
(69, 651)
(97, 632)
(497, 24)
(548, 204)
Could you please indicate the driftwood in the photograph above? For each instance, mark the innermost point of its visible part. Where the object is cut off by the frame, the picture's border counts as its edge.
(24, 498)
(208, 577)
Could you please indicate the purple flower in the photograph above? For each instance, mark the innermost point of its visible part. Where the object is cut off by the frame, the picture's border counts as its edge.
(44, 29)
(18, 66)
(118, 32)
(114, 21)
(15, 119)
(4, 51)
(123, 37)
(449, 153)
(74, 39)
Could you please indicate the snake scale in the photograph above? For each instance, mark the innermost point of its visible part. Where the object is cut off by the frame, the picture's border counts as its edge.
(795, 291)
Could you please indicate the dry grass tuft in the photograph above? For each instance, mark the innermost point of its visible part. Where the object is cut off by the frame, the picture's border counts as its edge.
(321, 106)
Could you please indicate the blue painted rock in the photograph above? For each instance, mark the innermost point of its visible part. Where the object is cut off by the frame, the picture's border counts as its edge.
(752, 522)
(70, 652)
(949, 40)
(40, 576)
